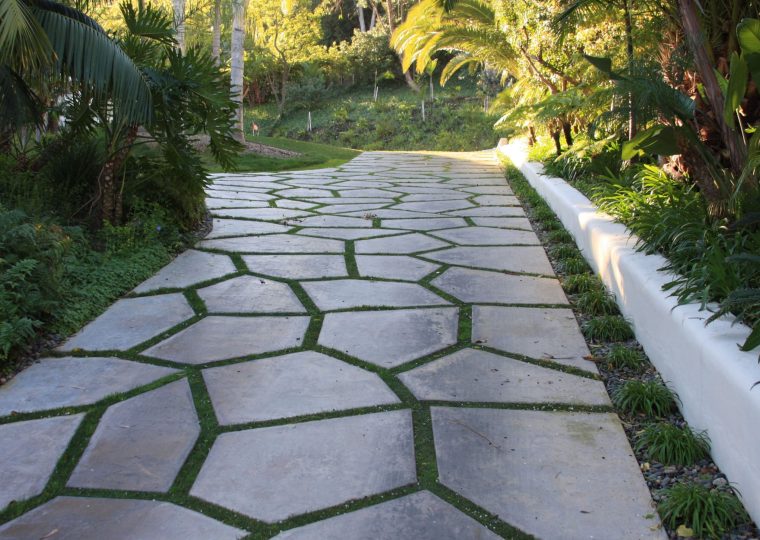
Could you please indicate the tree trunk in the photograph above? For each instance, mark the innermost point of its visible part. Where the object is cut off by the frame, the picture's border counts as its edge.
(373, 19)
(391, 26)
(111, 207)
(531, 136)
(236, 64)
(179, 22)
(568, 131)
(360, 13)
(557, 143)
(737, 151)
(216, 39)
(630, 59)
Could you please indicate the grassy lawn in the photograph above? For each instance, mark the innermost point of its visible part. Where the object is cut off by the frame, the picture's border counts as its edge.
(313, 156)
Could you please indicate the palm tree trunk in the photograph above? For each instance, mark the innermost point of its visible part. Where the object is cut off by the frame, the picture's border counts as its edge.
(391, 26)
(695, 37)
(216, 39)
(236, 63)
(360, 14)
(179, 22)
(111, 204)
(630, 58)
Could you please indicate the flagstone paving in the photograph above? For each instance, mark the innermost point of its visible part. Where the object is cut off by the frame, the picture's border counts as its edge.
(375, 351)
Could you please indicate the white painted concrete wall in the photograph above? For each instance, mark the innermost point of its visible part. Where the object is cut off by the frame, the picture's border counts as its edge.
(702, 364)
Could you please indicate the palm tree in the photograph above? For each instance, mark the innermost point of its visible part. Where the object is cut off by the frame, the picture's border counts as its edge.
(237, 62)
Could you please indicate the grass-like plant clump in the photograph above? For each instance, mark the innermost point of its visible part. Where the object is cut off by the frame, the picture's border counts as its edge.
(607, 328)
(574, 265)
(564, 250)
(578, 283)
(672, 445)
(620, 356)
(710, 513)
(559, 236)
(649, 398)
(597, 302)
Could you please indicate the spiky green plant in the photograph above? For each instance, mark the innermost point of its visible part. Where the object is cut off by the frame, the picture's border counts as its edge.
(607, 328)
(621, 356)
(710, 513)
(597, 302)
(672, 445)
(578, 283)
(649, 398)
(574, 265)
(564, 251)
(560, 235)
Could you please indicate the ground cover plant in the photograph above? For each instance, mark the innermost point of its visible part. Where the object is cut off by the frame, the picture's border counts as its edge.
(693, 496)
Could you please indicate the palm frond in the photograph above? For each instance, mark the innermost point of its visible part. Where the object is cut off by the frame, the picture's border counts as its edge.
(23, 42)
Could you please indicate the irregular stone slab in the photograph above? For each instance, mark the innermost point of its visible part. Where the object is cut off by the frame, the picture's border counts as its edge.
(292, 385)
(240, 195)
(484, 236)
(441, 195)
(361, 184)
(367, 193)
(277, 472)
(408, 243)
(131, 321)
(390, 213)
(240, 227)
(490, 190)
(353, 293)
(215, 204)
(345, 208)
(52, 383)
(271, 214)
(546, 334)
(304, 192)
(495, 211)
(219, 338)
(349, 234)
(187, 269)
(505, 222)
(297, 205)
(433, 206)
(532, 260)
(481, 286)
(275, 243)
(341, 201)
(393, 267)
(89, 518)
(249, 294)
(390, 338)
(497, 200)
(141, 443)
(543, 470)
(333, 221)
(473, 375)
(29, 452)
(424, 224)
(419, 516)
(297, 266)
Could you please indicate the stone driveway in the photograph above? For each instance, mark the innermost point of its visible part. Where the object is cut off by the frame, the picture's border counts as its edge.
(377, 351)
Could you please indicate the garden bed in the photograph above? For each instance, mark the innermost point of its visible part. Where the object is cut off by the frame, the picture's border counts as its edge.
(702, 364)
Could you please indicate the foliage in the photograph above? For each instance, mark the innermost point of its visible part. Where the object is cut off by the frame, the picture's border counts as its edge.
(30, 277)
(597, 302)
(579, 283)
(649, 398)
(710, 513)
(620, 356)
(607, 328)
(573, 265)
(672, 445)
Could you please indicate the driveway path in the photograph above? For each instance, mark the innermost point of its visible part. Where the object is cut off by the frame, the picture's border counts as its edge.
(377, 351)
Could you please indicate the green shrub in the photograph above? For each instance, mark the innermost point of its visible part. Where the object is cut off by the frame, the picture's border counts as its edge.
(578, 283)
(560, 235)
(31, 257)
(564, 251)
(607, 328)
(672, 445)
(597, 302)
(649, 398)
(621, 356)
(710, 513)
(574, 265)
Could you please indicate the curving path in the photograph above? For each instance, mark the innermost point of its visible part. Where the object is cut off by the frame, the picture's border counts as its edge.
(377, 351)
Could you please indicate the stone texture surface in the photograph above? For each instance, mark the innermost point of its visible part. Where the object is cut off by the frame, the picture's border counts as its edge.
(141, 443)
(187, 269)
(347, 234)
(249, 294)
(275, 243)
(407, 243)
(352, 293)
(544, 334)
(484, 236)
(291, 385)
(532, 260)
(52, 383)
(276, 472)
(86, 518)
(29, 452)
(297, 266)
(576, 473)
(419, 516)
(424, 224)
(220, 338)
(480, 286)
(415, 333)
(131, 321)
(393, 267)
(480, 376)
(241, 227)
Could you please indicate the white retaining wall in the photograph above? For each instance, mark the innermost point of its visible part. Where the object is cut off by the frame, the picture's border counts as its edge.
(702, 364)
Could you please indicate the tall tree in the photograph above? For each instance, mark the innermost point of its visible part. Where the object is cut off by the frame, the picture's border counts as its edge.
(216, 35)
(179, 23)
(237, 62)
